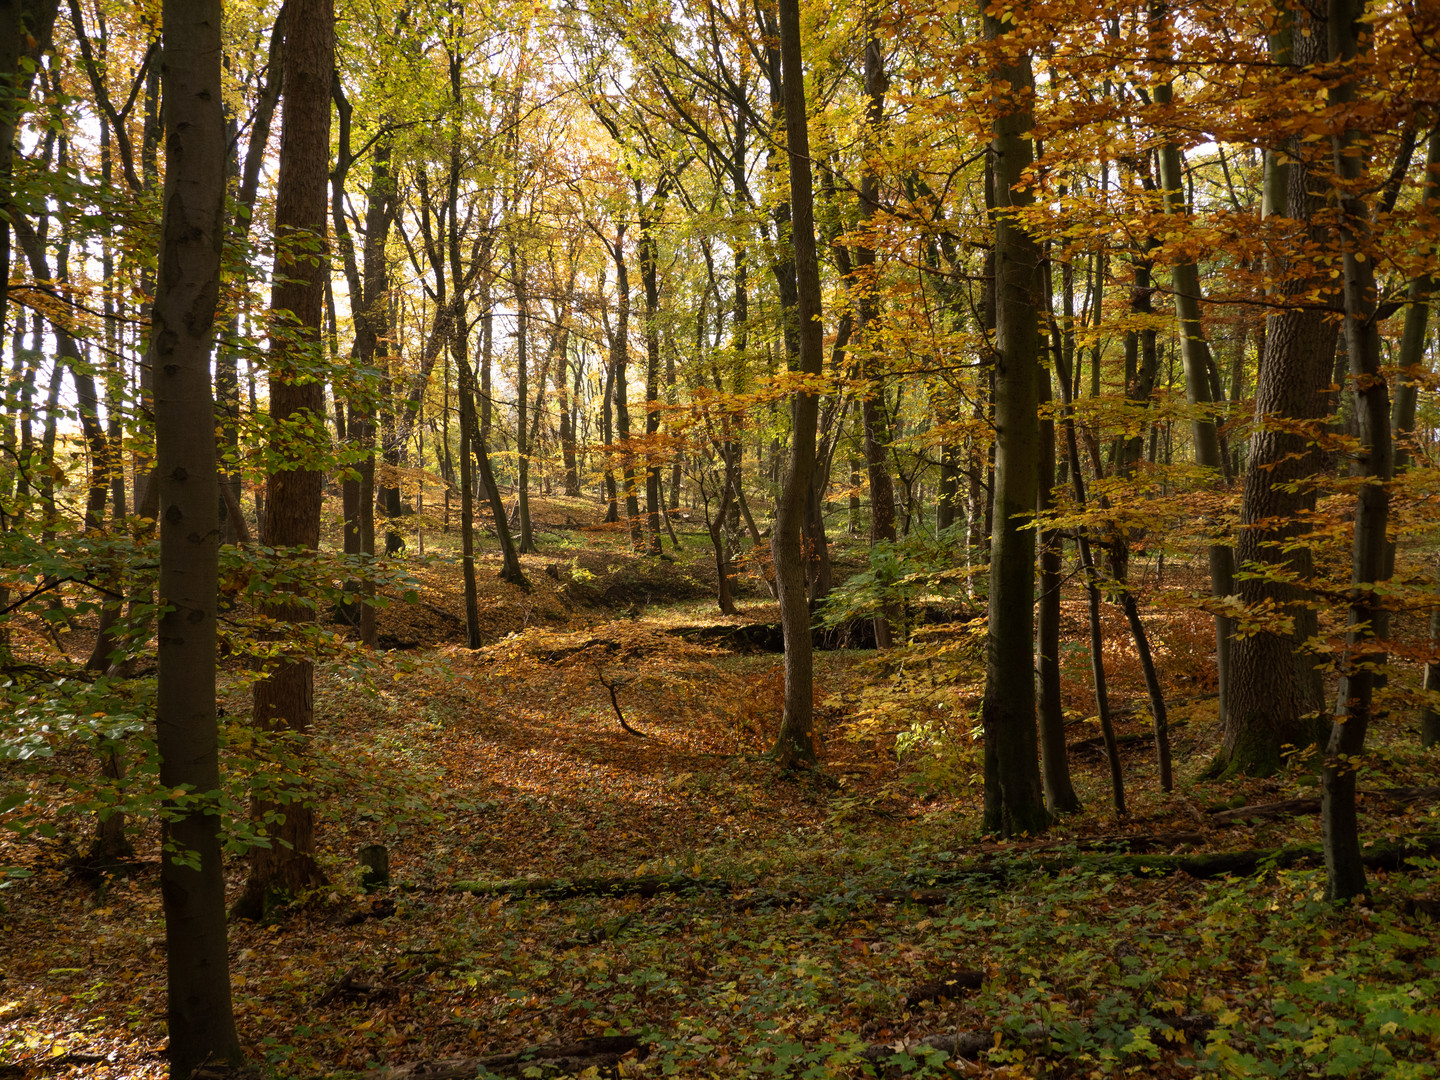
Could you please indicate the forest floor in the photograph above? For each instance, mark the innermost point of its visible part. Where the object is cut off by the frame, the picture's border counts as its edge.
(750, 923)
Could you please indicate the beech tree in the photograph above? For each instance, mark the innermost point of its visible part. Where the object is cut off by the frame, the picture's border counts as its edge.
(192, 885)
(284, 700)
(1014, 795)
(795, 743)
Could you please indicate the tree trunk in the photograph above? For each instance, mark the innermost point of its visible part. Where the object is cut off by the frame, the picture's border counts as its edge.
(619, 363)
(1014, 795)
(795, 741)
(25, 31)
(510, 569)
(1060, 797)
(1344, 870)
(649, 251)
(519, 267)
(284, 700)
(1196, 360)
(1275, 692)
(1410, 361)
(200, 1018)
(467, 500)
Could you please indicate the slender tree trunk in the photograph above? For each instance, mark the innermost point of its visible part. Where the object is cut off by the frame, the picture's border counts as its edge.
(873, 427)
(649, 251)
(619, 363)
(1430, 715)
(1060, 797)
(200, 1018)
(1409, 361)
(510, 569)
(610, 489)
(467, 502)
(25, 31)
(1092, 592)
(1198, 364)
(1344, 870)
(520, 268)
(795, 741)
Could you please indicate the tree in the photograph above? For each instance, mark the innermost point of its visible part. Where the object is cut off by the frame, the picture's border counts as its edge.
(1344, 870)
(1014, 796)
(25, 28)
(1275, 692)
(284, 700)
(795, 743)
(1196, 359)
(192, 885)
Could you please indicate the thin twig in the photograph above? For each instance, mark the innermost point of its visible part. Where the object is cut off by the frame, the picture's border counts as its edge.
(616, 702)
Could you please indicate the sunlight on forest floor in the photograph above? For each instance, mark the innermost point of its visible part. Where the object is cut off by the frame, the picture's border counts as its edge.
(510, 763)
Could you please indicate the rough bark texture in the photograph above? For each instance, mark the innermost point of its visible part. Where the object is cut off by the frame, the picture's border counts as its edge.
(619, 365)
(201, 1021)
(284, 701)
(795, 744)
(1014, 796)
(1275, 692)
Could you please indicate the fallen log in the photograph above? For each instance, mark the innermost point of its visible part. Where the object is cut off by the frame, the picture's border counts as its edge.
(551, 1059)
(1203, 865)
(1311, 805)
(351, 987)
(948, 986)
(1121, 842)
(1260, 811)
(969, 1044)
(567, 888)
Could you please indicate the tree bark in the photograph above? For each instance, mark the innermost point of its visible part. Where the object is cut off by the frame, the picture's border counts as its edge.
(1364, 654)
(795, 742)
(1409, 361)
(1196, 360)
(649, 252)
(1014, 794)
(284, 701)
(200, 1017)
(1060, 797)
(619, 364)
(1275, 691)
(25, 31)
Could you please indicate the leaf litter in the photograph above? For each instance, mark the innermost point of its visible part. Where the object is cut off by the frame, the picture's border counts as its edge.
(840, 927)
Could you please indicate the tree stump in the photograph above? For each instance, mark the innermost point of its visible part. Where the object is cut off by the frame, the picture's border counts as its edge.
(374, 867)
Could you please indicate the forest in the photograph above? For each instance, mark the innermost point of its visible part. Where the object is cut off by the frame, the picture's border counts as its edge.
(736, 538)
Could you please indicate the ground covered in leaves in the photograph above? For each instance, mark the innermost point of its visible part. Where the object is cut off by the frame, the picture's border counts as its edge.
(558, 878)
